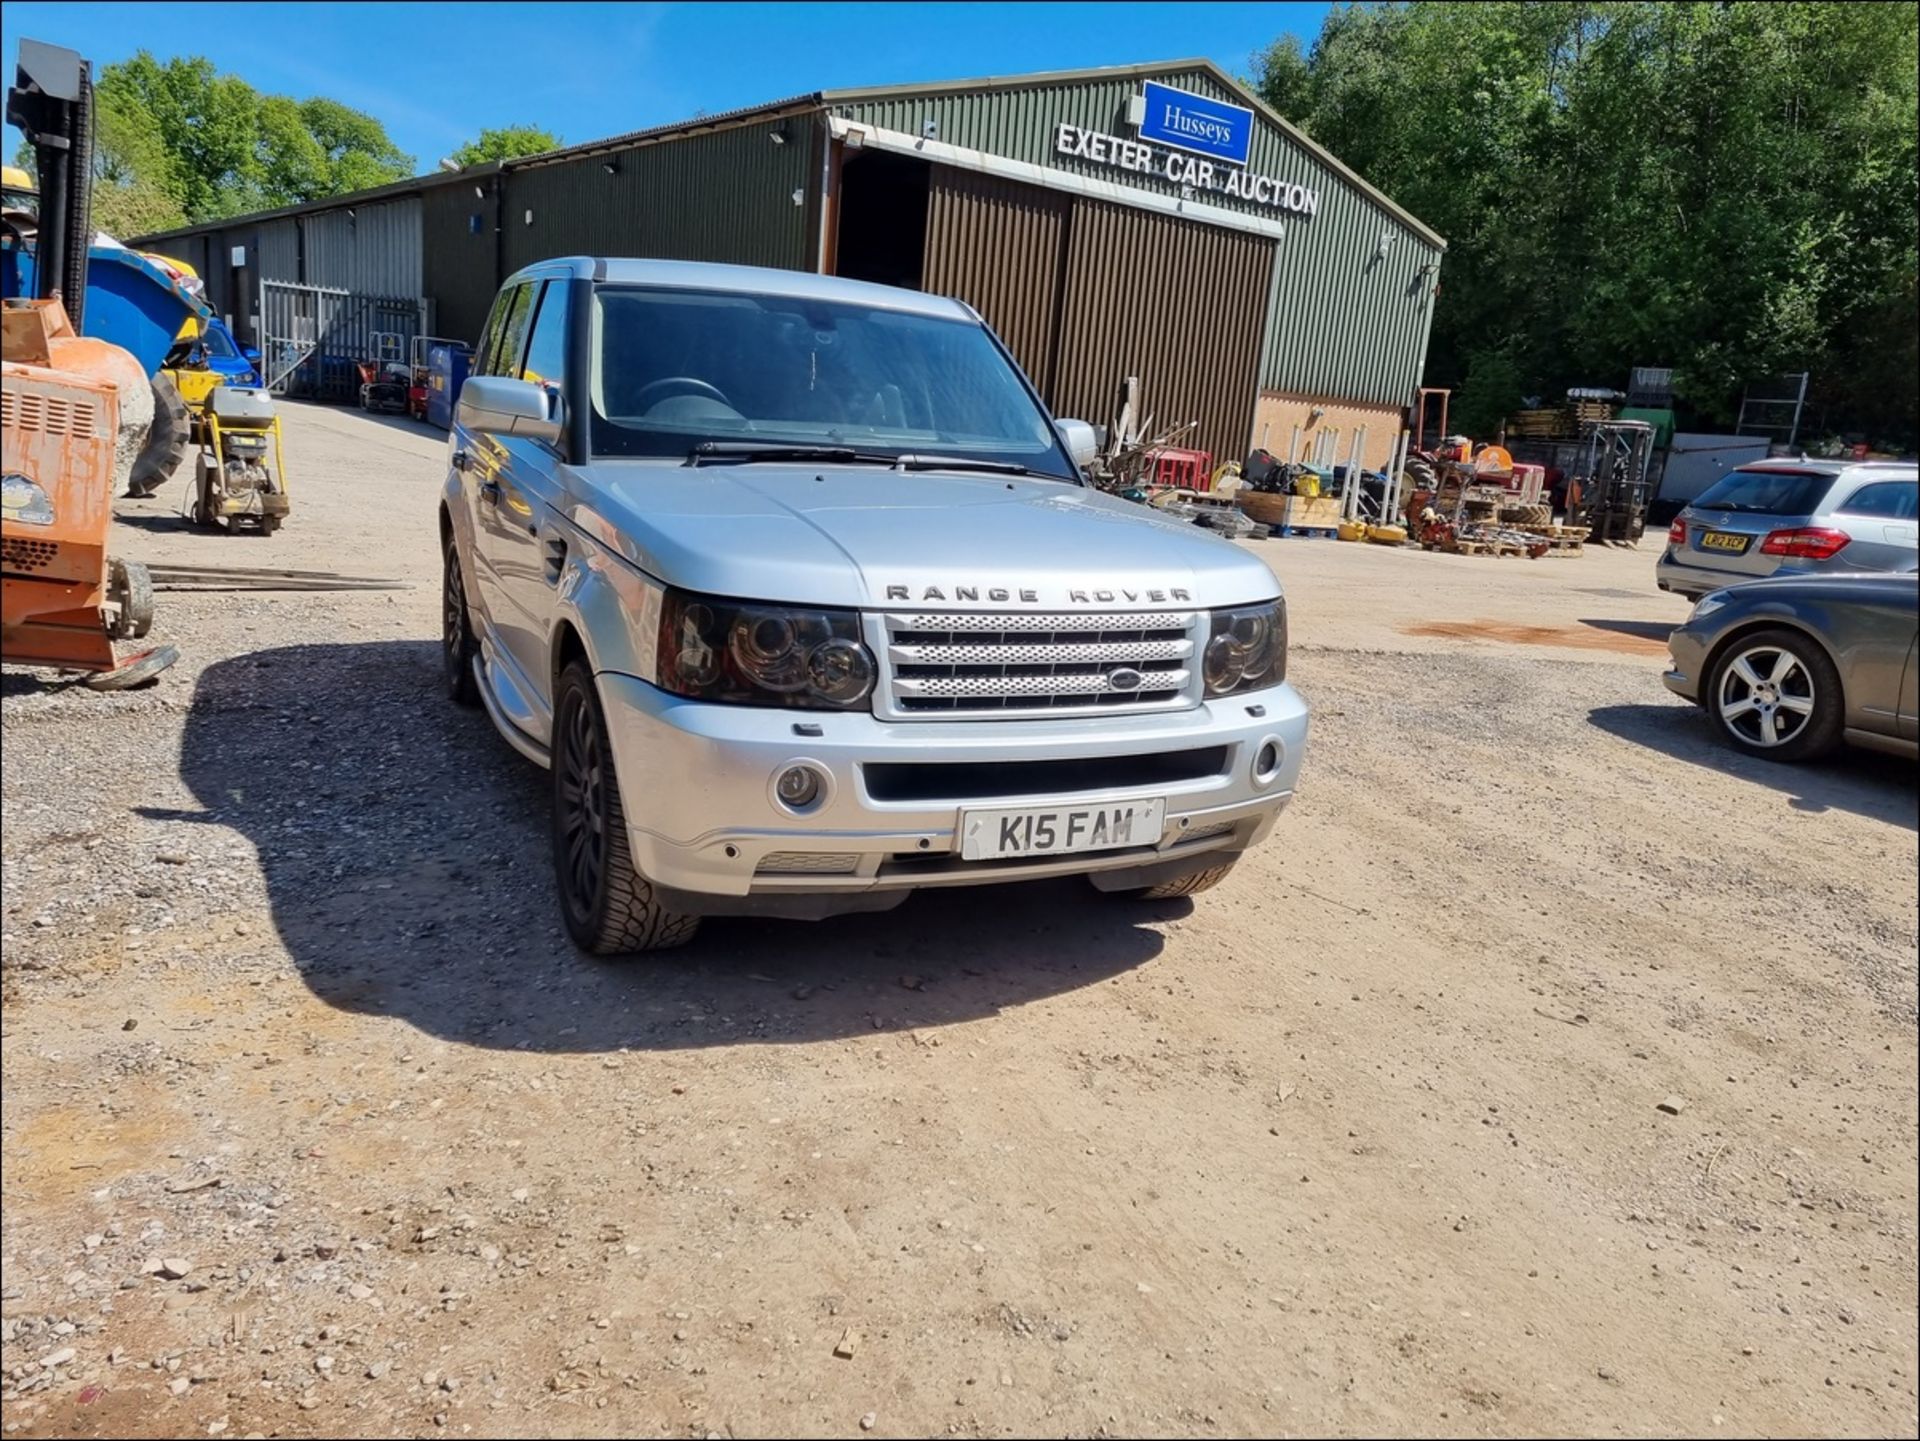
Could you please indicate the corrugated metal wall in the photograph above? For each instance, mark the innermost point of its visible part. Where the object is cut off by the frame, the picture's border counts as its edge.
(239, 284)
(1342, 322)
(1001, 247)
(1176, 304)
(726, 196)
(459, 266)
(279, 242)
(1343, 319)
(373, 251)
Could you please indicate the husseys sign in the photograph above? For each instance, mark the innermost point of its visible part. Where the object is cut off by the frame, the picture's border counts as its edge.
(1206, 142)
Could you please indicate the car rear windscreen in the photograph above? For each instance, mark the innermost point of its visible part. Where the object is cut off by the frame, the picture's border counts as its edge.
(1768, 492)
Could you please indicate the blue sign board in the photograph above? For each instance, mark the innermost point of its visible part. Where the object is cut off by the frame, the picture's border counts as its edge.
(1197, 123)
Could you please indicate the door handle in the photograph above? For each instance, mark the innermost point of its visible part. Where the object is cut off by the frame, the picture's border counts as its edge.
(463, 460)
(490, 492)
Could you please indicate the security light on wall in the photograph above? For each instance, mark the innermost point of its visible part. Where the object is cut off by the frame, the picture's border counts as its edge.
(479, 192)
(929, 129)
(778, 137)
(612, 167)
(449, 164)
(1387, 237)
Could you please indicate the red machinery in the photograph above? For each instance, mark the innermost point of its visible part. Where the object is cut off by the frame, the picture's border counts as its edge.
(1171, 466)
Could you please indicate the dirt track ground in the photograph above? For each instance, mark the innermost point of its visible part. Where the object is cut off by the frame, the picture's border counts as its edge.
(1365, 1141)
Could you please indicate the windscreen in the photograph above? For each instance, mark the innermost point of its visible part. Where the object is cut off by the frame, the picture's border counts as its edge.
(674, 368)
(1767, 492)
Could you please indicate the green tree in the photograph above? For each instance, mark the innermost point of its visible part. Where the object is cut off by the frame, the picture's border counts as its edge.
(135, 188)
(231, 149)
(505, 143)
(1730, 189)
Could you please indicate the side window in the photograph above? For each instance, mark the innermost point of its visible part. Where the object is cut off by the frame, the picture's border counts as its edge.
(490, 333)
(505, 330)
(1887, 499)
(546, 360)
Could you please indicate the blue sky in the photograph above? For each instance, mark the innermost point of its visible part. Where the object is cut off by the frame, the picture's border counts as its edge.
(437, 73)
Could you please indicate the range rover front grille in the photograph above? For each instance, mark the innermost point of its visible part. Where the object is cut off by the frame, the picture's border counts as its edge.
(1025, 664)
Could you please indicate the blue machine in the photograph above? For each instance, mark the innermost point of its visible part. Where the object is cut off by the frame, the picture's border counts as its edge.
(130, 301)
(447, 367)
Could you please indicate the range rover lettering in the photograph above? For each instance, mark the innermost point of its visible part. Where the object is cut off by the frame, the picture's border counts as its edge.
(796, 590)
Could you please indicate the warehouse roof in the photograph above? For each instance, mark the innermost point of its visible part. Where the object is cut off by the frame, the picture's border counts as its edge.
(815, 100)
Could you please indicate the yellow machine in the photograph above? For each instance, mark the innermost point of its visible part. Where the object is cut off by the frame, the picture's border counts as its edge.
(234, 484)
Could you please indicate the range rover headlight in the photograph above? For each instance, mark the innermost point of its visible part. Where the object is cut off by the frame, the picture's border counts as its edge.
(746, 653)
(1246, 648)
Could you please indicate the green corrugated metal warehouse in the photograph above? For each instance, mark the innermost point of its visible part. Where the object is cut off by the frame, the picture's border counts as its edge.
(1149, 221)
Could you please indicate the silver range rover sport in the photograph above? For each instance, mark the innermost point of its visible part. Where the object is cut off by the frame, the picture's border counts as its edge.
(795, 588)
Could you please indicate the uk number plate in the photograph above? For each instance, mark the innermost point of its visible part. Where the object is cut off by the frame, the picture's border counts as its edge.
(1725, 540)
(999, 835)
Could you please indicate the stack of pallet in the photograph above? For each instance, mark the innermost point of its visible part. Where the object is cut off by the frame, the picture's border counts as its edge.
(1542, 424)
(1581, 412)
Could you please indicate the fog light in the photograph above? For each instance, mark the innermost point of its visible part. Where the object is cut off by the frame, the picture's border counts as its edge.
(797, 787)
(1266, 761)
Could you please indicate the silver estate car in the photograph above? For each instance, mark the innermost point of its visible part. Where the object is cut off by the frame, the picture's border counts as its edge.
(797, 591)
(1798, 517)
(1786, 668)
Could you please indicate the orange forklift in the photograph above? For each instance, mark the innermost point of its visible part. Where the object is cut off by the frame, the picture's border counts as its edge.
(63, 600)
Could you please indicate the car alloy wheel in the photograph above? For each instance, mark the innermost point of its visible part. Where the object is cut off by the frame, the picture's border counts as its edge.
(456, 631)
(582, 773)
(1766, 696)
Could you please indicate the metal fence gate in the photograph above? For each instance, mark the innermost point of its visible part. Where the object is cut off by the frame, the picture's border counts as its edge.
(314, 338)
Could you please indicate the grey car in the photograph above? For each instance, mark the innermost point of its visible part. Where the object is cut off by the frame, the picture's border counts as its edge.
(1787, 668)
(1798, 517)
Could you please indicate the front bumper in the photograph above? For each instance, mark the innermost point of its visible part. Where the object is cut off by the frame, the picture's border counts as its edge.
(1689, 650)
(705, 826)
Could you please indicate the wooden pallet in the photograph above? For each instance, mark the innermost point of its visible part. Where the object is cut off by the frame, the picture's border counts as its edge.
(1489, 547)
(1304, 532)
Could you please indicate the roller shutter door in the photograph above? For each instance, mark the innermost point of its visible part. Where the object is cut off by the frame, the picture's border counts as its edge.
(1181, 305)
(1001, 247)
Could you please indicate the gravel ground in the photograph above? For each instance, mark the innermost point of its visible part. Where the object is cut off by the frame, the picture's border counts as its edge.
(315, 1125)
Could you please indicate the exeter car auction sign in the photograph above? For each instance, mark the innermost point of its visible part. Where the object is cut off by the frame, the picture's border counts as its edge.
(1140, 158)
(1197, 131)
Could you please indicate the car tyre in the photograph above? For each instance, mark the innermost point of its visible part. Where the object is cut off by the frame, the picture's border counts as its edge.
(457, 645)
(1191, 884)
(1776, 694)
(609, 907)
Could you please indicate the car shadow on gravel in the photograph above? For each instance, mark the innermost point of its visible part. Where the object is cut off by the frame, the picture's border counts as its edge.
(405, 852)
(1867, 783)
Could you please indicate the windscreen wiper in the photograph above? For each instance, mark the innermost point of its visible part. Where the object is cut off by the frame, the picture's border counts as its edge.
(747, 451)
(963, 462)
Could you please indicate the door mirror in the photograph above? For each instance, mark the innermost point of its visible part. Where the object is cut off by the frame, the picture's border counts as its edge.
(498, 405)
(1079, 438)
